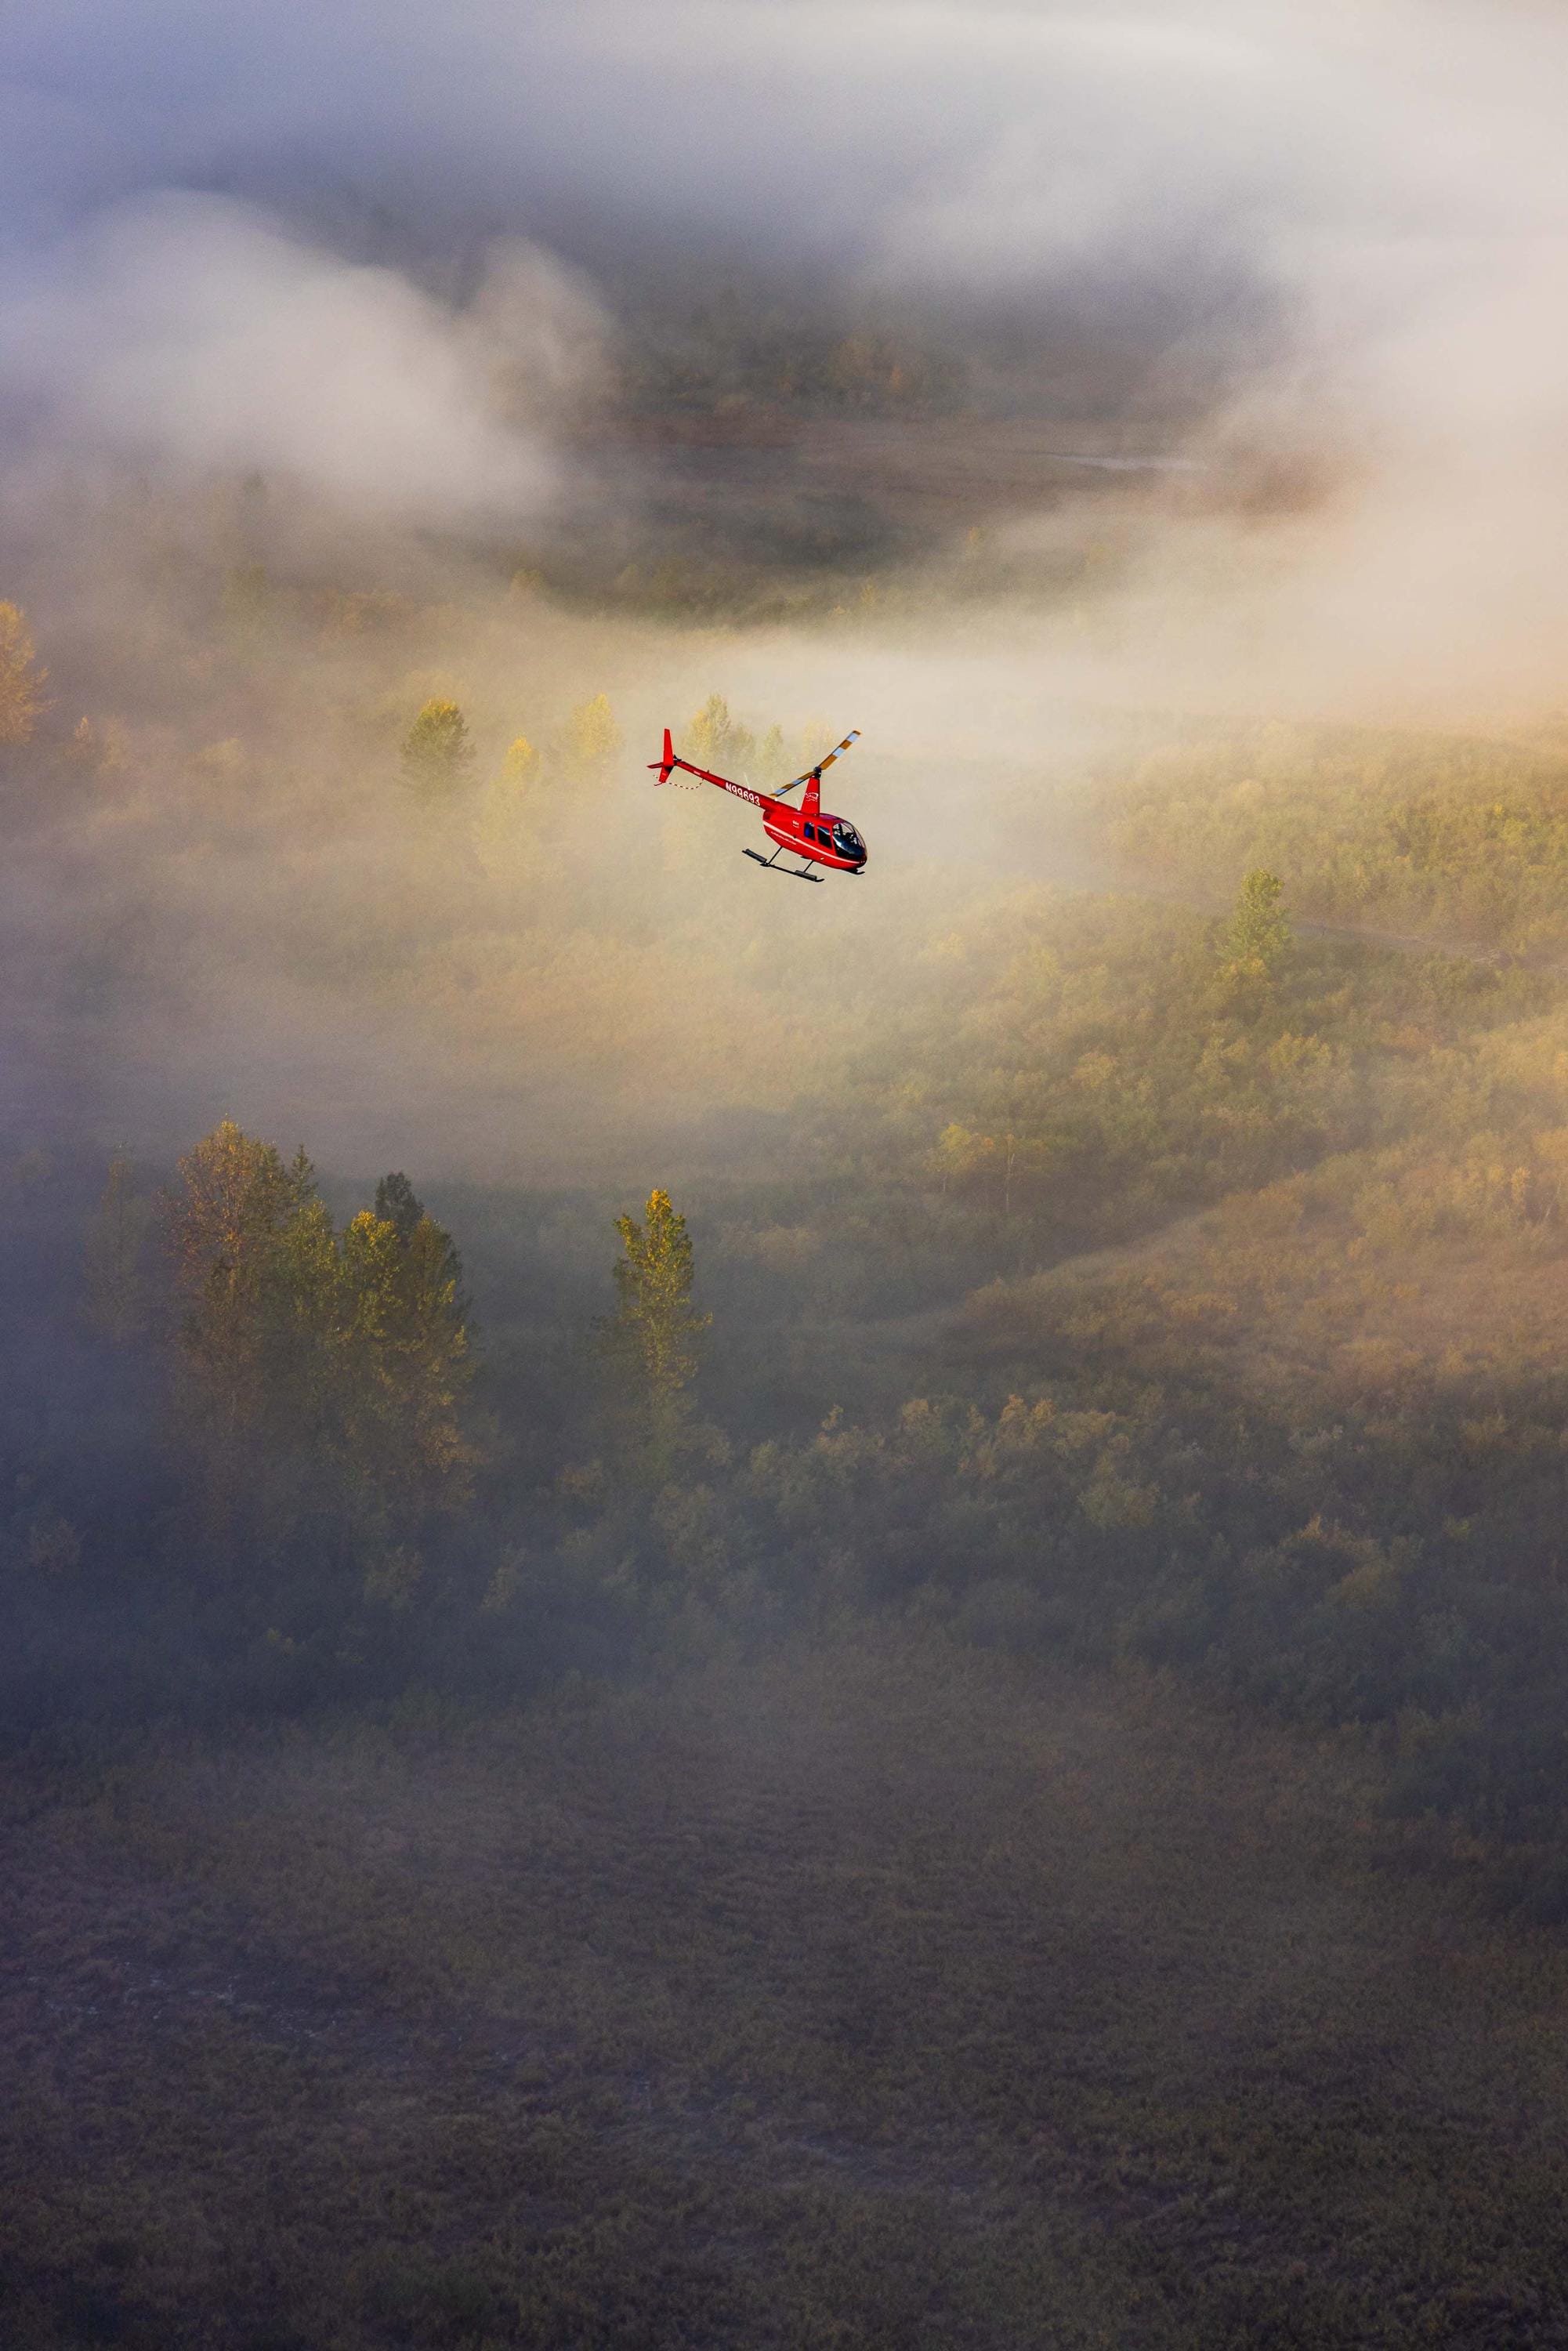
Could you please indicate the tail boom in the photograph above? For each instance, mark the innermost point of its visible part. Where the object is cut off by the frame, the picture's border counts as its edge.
(662, 769)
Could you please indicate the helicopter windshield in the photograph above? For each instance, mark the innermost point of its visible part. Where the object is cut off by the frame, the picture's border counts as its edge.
(847, 840)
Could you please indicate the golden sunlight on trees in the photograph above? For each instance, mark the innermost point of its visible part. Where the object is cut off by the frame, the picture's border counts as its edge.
(436, 751)
(715, 739)
(230, 1238)
(1258, 936)
(402, 1349)
(718, 740)
(521, 765)
(300, 1348)
(962, 1156)
(22, 681)
(510, 808)
(654, 1336)
(113, 1280)
(594, 736)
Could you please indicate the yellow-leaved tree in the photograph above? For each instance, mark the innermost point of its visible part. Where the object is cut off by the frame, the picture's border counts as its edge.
(313, 1368)
(436, 751)
(1257, 938)
(654, 1338)
(593, 738)
(22, 681)
(718, 740)
(508, 816)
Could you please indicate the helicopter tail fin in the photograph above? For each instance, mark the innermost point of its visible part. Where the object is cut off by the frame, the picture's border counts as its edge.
(661, 768)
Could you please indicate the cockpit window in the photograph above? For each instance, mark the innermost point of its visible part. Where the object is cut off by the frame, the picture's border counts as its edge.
(847, 840)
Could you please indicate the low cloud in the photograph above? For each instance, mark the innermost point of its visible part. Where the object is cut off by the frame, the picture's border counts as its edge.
(193, 334)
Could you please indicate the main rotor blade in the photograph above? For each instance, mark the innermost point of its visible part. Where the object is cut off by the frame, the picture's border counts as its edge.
(836, 753)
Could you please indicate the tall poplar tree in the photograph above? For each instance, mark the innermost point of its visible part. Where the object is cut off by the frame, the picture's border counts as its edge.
(593, 737)
(22, 681)
(654, 1336)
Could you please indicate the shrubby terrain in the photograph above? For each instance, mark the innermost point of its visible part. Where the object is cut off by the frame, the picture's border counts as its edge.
(905, 1686)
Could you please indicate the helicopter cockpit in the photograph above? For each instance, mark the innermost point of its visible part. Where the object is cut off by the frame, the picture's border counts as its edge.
(847, 840)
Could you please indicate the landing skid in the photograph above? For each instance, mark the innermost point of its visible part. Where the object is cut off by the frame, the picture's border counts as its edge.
(795, 873)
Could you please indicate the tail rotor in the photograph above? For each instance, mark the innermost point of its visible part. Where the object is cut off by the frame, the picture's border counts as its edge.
(660, 769)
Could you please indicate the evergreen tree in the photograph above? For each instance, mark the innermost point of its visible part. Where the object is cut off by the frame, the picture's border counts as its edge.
(397, 1204)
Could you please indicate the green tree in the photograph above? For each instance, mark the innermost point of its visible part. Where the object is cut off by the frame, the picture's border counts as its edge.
(1258, 936)
(656, 1332)
(436, 751)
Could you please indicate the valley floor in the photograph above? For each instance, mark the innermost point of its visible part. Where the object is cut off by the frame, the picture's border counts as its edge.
(876, 1993)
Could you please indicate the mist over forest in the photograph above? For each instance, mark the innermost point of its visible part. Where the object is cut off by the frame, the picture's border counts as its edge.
(746, 1614)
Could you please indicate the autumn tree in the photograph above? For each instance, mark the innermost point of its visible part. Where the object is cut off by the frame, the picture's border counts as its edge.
(246, 1251)
(436, 751)
(521, 767)
(507, 818)
(429, 1366)
(1258, 936)
(22, 681)
(593, 737)
(654, 1336)
(404, 1358)
(715, 739)
(718, 740)
(340, 1357)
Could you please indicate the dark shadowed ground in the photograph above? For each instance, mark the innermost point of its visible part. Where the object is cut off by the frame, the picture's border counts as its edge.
(886, 1996)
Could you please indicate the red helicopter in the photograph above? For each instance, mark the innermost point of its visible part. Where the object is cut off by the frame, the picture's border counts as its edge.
(804, 831)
